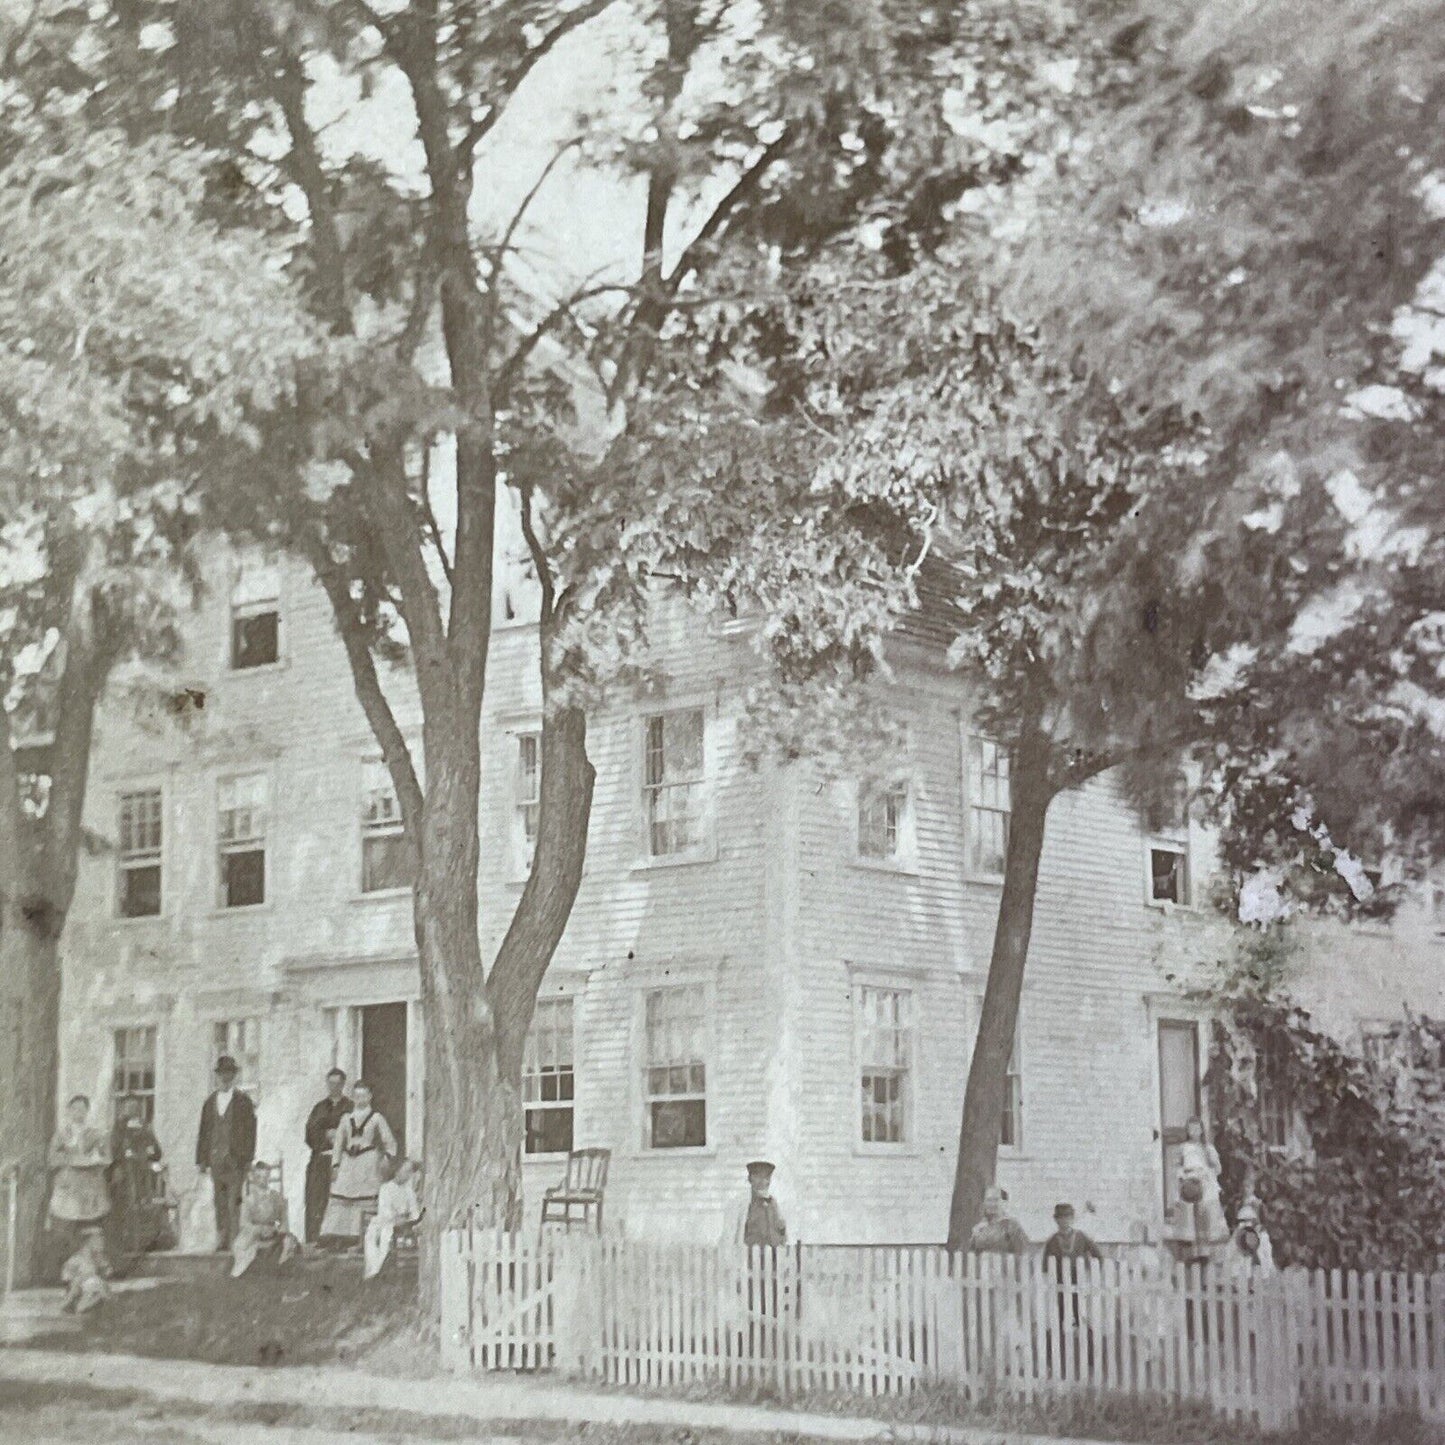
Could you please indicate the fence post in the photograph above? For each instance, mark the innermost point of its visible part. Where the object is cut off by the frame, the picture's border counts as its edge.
(455, 1304)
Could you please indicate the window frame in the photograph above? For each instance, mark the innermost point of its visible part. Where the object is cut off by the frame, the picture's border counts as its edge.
(118, 1029)
(1269, 1109)
(704, 848)
(523, 850)
(1014, 1099)
(972, 804)
(371, 765)
(1175, 838)
(255, 607)
(571, 1000)
(250, 1079)
(862, 984)
(220, 906)
(704, 990)
(904, 857)
(131, 789)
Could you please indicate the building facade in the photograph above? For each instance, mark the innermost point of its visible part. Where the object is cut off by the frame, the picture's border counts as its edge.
(759, 962)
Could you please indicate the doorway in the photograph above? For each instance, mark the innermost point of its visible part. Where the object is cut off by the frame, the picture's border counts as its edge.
(1179, 1097)
(383, 1063)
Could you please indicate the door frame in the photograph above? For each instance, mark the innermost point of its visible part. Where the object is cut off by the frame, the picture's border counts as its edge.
(1168, 1008)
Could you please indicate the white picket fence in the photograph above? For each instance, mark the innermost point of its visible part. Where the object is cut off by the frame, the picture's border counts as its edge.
(887, 1321)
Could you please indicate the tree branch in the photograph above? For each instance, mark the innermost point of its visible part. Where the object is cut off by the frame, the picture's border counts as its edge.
(383, 480)
(539, 561)
(287, 86)
(508, 372)
(479, 129)
(374, 702)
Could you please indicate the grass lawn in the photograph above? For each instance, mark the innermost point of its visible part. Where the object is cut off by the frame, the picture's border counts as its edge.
(315, 1312)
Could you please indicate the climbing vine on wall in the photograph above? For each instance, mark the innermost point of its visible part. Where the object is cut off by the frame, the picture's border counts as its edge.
(1346, 1154)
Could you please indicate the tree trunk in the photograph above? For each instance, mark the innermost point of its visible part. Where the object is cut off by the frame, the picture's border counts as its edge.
(1031, 791)
(29, 1067)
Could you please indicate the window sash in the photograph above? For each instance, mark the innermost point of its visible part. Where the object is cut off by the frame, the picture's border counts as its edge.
(133, 1070)
(880, 821)
(1168, 871)
(528, 793)
(242, 805)
(549, 1078)
(674, 774)
(674, 1075)
(885, 1062)
(140, 827)
(990, 804)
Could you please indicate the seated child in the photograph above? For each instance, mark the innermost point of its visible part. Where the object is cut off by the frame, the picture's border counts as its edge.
(263, 1223)
(396, 1206)
(84, 1274)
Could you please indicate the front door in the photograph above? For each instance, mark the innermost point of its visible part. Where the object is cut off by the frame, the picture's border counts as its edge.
(1178, 1094)
(383, 1063)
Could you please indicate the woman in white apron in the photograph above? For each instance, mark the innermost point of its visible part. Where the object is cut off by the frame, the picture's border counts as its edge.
(363, 1140)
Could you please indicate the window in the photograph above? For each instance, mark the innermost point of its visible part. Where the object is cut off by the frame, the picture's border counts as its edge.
(1378, 1046)
(1011, 1130)
(675, 1074)
(882, 811)
(988, 813)
(883, 1051)
(134, 1071)
(241, 1038)
(386, 856)
(1169, 848)
(255, 619)
(529, 795)
(1274, 1095)
(548, 1078)
(138, 866)
(241, 835)
(673, 783)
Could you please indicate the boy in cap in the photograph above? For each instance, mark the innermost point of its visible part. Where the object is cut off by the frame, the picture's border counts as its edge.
(225, 1147)
(1066, 1242)
(762, 1224)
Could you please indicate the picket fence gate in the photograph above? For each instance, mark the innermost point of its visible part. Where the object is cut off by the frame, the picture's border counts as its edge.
(887, 1321)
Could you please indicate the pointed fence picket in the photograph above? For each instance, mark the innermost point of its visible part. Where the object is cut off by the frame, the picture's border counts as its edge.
(889, 1321)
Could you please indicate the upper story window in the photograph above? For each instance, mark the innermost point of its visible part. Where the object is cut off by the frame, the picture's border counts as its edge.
(138, 855)
(386, 857)
(673, 778)
(674, 1075)
(1168, 848)
(883, 818)
(241, 839)
(884, 1060)
(989, 805)
(133, 1068)
(241, 1039)
(548, 1078)
(256, 619)
(528, 797)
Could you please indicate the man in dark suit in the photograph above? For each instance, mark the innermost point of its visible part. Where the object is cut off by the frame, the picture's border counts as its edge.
(226, 1145)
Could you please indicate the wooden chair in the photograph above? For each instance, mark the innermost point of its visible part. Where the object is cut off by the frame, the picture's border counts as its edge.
(582, 1189)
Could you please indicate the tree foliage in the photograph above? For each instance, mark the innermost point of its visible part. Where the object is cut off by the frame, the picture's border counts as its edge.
(1360, 1181)
(135, 334)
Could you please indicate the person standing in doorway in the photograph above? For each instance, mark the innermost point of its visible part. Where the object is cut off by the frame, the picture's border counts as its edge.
(78, 1160)
(225, 1147)
(321, 1125)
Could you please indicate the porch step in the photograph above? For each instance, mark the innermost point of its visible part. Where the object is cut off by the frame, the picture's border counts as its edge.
(173, 1264)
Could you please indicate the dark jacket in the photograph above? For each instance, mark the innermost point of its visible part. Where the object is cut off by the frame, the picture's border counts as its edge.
(241, 1145)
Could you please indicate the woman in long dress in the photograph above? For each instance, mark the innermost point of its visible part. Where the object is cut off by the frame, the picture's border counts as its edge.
(363, 1140)
(79, 1157)
(1199, 1161)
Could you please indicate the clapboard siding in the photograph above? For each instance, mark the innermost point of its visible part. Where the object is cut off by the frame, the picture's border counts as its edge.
(781, 921)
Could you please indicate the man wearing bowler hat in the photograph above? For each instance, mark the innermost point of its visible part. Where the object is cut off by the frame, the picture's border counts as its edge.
(225, 1147)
